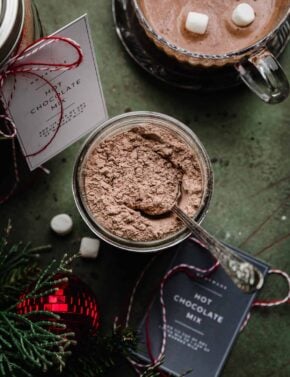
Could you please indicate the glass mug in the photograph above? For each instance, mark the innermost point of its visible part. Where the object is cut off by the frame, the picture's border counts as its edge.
(256, 64)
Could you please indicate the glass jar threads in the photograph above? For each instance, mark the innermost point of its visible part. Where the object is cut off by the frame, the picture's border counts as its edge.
(19, 27)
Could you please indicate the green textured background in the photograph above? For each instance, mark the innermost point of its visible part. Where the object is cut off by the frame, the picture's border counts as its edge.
(249, 143)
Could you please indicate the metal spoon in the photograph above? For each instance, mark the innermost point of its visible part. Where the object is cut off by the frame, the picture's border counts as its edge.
(246, 276)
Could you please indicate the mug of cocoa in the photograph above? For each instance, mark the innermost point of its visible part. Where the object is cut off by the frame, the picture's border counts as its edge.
(134, 161)
(247, 37)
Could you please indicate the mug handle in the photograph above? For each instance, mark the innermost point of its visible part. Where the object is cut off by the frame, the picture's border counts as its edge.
(263, 74)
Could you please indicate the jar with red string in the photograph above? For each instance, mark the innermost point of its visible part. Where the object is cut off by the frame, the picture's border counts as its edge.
(19, 27)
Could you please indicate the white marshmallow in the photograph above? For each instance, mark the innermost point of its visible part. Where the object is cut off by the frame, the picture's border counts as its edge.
(243, 15)
(196, 22)
(89, 247)
(61, 224)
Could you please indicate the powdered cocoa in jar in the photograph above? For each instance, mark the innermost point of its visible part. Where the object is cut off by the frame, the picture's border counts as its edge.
(141, 169)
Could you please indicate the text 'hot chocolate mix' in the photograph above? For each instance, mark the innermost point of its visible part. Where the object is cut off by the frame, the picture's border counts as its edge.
(137, 171)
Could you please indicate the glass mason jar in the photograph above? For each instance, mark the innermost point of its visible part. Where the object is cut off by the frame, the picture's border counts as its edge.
(19, 27)
(118, 125)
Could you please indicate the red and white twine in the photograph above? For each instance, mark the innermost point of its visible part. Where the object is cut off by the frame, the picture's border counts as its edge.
(192, 272)
(19, 65)
(270, 303)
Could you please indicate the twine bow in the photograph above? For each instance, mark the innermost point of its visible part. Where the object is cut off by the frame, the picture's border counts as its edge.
(20, 65)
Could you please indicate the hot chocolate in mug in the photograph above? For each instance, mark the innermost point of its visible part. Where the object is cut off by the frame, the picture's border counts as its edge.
(251, 51)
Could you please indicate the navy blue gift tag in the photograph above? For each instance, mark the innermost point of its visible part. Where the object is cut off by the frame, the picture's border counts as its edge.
(204, 316)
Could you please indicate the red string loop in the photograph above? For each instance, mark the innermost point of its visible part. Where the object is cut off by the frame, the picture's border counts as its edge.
(14, 65)
(192, 272)
(270, 303)
(17, 66)
(276, 302)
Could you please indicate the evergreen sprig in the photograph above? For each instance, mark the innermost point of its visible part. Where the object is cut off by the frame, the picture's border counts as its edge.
(18, 269)
(46, 282)
(96, 355)
(27, 344)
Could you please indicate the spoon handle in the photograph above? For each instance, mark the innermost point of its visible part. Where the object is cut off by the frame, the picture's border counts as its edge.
(244, 274)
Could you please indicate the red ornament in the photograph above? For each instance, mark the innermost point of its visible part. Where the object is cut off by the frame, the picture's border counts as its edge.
(73, 300)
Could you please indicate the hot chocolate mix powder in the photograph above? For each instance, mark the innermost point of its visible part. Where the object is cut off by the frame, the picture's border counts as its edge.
(139, 171)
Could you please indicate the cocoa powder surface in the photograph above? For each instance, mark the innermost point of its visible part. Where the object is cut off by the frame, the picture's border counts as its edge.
(138, 171)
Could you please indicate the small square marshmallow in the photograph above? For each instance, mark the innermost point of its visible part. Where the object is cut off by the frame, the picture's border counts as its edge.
(243, 15)
(197, 22)
(89, 247)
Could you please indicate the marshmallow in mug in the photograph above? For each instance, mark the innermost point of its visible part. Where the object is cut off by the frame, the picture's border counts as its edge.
(196, 22)
(243, 15)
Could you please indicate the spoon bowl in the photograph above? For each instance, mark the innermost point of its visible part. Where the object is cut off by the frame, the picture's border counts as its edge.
(246, 277)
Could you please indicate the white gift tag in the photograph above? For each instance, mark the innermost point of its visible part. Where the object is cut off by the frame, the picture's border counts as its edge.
(35, 108)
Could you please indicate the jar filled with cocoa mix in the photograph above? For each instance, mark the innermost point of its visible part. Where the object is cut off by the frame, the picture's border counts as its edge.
(19, 27)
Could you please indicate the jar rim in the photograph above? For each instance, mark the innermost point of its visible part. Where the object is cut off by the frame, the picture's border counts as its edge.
(12, 13)
(130, 245)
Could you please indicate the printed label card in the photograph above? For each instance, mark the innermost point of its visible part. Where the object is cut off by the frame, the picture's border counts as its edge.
(204, 317)
(35, 107)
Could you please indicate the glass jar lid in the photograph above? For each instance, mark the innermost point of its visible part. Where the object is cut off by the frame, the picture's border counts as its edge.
(11, 25)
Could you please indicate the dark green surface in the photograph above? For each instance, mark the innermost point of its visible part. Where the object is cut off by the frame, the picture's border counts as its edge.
(249, 143)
